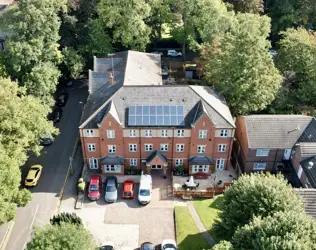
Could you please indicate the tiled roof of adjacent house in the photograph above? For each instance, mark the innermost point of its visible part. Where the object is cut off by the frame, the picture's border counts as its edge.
(274, 131)
(183, 95)
(138, 81)
(309, 167)
(309, 198)
(308, 149)
(309, 134)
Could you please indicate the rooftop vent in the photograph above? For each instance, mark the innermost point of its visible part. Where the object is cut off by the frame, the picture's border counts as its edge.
(124, 98)
(310, 165)
(309, 136)
(184, 99)
(171, 99)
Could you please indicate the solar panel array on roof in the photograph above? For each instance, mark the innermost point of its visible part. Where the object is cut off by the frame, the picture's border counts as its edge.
(162, 115)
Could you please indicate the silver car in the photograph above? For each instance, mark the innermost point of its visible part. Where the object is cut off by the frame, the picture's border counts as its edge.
(111, 189)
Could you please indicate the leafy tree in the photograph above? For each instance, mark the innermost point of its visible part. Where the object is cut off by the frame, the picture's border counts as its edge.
(73, 61)
(66, 218)
(256, 195)
(240, 67)
(99, 42)
(223, 245)
(297, 54)
(22, 122)
(283, 231)
(41, 82)
(126, 19)
(66, 236)
(160, 14)
(247, 6)
(200, 21)
(3, 68)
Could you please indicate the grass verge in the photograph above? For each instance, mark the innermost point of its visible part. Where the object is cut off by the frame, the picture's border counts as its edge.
(188, 235)
(208, 210)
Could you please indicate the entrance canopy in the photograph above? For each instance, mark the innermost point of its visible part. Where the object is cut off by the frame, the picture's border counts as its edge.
(200, 160)
(112, 160)
(156, 158)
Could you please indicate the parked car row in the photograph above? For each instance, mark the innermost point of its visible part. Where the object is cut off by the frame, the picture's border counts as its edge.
(57, 112)
(165, 245)
(170, 53)
(111, 185)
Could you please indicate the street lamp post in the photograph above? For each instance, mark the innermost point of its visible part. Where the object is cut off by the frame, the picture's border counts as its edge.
(111, 55)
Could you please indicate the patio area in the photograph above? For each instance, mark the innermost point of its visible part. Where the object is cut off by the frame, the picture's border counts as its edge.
(214, 184)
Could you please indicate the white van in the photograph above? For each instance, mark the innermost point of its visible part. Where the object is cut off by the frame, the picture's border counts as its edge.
(145, 189)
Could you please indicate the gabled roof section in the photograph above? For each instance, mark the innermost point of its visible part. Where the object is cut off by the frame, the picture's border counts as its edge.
(274, 131)
(142, 69)
(309, 199)
(154, 154)
(309, 134)
(216, 102)
(309, 167)
(109, 109)
(199, 111)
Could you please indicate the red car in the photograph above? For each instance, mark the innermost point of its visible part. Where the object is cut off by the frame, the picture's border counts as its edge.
(128, 189)
(95, 187)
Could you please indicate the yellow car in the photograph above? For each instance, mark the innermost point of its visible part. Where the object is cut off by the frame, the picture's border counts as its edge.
(33, 176)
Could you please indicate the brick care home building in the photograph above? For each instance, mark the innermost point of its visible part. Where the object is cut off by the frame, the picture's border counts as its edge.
(132, 120)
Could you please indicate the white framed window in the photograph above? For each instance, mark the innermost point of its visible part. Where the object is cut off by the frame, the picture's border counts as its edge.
(93, 163)
(89, 132)
(180, 133)
(91, 147)
(132, 133)
(220, 164)
(179, 162)
(164, 147)
(164, 133)
(259, 166)
(112, 168)
(112, 148)
(262, 152)
(224, 133)
(202, 134)
(132, 147)
(221, 147)
(200, 168)
(148, 133)
(148, 147)
(201, 148)
(110, 134)
(180, 147)
(133, 162)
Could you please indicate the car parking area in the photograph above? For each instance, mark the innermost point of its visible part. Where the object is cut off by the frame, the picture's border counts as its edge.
(127, 223)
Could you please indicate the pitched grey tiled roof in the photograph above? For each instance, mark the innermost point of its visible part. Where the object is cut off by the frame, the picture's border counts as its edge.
(309, 167)
(154, 154)
(167, 95)
(309, 198)
(309, 135)
(112, 160)
(308, 149)
(200, 160)
(274, 131)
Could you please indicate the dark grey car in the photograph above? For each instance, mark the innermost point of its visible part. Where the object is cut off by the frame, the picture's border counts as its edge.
(111, 189)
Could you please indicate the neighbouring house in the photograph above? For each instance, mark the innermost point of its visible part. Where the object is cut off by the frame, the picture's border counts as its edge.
(264, 142)
(303, 156)
(308, 196)
(132, 120)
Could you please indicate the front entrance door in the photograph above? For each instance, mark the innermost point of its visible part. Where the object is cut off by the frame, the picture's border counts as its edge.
(156, 167)
(287, 153)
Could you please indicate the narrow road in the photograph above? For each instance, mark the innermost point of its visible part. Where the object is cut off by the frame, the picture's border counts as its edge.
(55, 162)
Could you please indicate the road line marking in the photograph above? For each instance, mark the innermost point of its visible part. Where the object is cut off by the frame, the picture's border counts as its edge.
(34, 217)
(7, 234)
(24, 246)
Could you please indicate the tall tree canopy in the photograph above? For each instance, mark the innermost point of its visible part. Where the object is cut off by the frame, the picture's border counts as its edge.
(67, 236)
(283, 231)
(256, 195)
(247, 6)
(33, 28)
(126, 20)
(22, 122)
(73, 62)
(200, 21)
(240, 67)
(297, 54)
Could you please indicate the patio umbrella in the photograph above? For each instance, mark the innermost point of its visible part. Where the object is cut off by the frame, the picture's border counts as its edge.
(191, 182)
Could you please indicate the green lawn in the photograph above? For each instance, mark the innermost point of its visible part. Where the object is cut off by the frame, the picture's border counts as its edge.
(188, 235)
(208, 211)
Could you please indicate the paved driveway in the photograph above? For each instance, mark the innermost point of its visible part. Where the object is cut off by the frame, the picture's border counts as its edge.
(127, 223)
